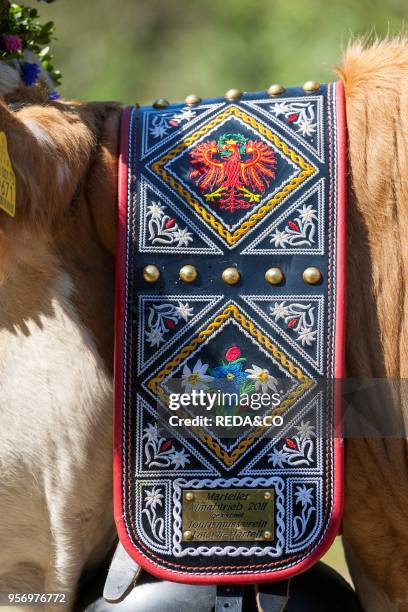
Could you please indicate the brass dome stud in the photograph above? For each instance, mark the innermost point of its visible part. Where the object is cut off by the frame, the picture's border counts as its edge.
(161, 103)
(188, 535)
(151, 273)
(231, 276)
(189, 496)
(233, 94)
(311, 86)
(188, 273)
(312, 275)
(192, 99)
(267, 495)
(267, 535)
(275, 90)
(274, 276)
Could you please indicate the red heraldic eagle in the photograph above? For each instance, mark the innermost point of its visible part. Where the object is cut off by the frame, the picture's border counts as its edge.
(232, 172)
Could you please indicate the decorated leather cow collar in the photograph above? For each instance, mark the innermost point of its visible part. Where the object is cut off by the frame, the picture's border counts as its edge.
(229, 333)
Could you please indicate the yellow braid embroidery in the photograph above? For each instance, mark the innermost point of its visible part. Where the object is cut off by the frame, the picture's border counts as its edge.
(232, 311)
(232, 238)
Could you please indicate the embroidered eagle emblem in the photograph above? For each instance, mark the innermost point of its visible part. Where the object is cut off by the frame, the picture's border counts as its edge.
(232, 172)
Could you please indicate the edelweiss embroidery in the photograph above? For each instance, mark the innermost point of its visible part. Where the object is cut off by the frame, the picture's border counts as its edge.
(304, 498)
(152, 501)
(165, 122)
(165, 317)
(296, 450)
(164, 229)
(299, 231)
(299, 318)
(160, 451)
(232, 172)
(301, 114)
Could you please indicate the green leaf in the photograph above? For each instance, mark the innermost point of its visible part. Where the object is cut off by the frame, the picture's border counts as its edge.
(248, 387)
(23, 21)
(239, 360)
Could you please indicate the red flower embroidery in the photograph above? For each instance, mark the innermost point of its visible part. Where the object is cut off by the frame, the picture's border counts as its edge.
(233, 353)
(169, 323)
(293, 322)
(290, 443)
(169, 223)
(166, 445)
(293, 117)
(293, 226)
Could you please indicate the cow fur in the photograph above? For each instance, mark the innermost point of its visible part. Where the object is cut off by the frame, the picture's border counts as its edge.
(56, 344)
(56, 332)
(376, 509)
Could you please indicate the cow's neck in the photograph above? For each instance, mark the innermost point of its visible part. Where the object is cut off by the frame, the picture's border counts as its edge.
(71, 272)
(91, 268)
(30, 279)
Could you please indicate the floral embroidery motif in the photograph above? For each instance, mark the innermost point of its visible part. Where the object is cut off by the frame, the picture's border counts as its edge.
(297, 450)
(164, 122)
(232, 172)
(263, 380)
(304, 497)
(299, 231)
(299, 318)
(229, 377)
(164, 229)
(301, 114)
(161, 452)
(153, 500)
(196, 378)
(165, 317)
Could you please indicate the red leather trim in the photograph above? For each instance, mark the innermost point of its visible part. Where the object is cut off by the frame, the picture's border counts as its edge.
(340, 334)
(334, 526)
(119, 330)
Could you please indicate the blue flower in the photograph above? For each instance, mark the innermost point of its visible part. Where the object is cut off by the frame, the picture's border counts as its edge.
(54, 95)
(30, 73)
(231, 372)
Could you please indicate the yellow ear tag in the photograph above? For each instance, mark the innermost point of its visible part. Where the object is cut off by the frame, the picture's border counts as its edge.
(7, 179)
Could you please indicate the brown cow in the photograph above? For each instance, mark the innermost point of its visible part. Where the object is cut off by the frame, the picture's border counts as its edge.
(56, 331)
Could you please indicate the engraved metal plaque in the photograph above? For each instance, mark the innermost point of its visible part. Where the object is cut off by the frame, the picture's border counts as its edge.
(217, 515)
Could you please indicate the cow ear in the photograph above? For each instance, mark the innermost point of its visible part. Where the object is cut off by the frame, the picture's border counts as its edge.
(23, 152)
(49, 150)
(101, 183)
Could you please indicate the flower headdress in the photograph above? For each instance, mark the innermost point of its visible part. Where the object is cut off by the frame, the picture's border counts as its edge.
(24, 45)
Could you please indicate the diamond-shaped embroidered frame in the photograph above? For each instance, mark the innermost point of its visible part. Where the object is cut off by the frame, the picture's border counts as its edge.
(304, 170)
(232, 311)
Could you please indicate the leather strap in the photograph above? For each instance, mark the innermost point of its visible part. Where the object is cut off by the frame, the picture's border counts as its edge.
(229, 598)
(231, 258)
